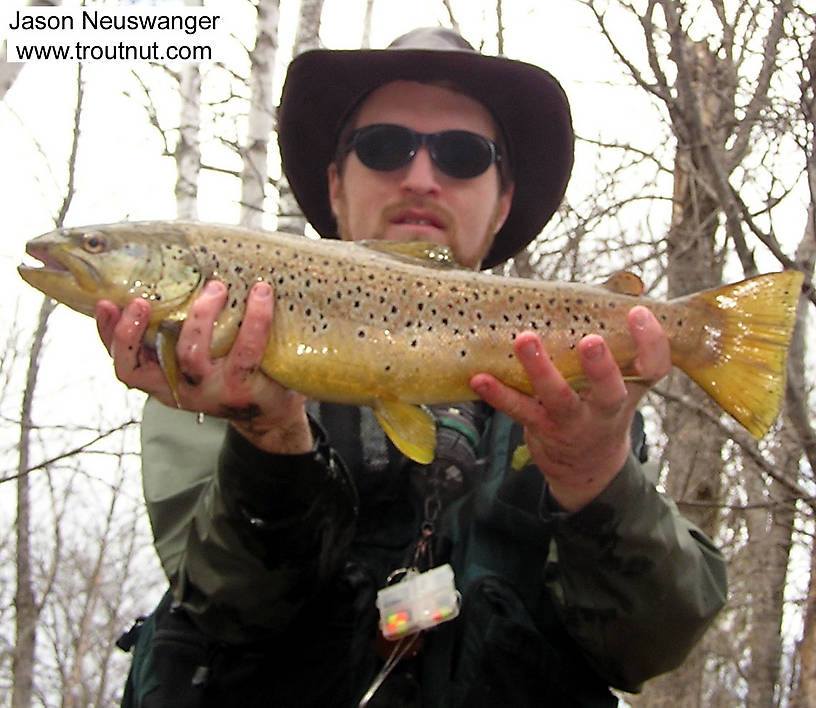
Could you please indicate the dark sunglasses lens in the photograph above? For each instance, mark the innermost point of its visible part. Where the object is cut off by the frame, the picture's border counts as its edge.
(384, 147)
(461, 154)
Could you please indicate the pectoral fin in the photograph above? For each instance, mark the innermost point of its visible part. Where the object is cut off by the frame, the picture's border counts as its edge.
(166, 340)
(411, 429)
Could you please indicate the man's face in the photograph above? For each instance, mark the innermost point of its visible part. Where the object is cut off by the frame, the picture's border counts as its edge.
(418, 202)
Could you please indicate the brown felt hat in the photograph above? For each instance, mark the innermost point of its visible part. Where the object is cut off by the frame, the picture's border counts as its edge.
(323, 87)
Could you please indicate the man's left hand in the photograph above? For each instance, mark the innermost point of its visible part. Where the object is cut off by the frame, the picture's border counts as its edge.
(580, 441)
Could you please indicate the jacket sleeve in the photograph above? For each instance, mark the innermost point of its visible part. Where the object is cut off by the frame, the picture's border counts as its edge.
(636, 584)
(245, 537)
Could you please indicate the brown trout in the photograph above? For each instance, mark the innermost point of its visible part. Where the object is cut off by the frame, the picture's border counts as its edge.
(397, 325)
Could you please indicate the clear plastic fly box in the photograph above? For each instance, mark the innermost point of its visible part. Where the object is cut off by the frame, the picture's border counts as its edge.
(418, 601)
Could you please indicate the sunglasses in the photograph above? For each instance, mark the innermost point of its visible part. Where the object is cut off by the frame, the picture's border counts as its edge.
(457, 153)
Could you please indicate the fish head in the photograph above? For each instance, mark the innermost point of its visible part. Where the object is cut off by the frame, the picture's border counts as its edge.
(116, 262)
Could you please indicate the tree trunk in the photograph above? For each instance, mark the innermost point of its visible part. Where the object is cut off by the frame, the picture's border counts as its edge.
(27, 609)
(188, 152)
(261, 115)
(692, 458)
(290, 217)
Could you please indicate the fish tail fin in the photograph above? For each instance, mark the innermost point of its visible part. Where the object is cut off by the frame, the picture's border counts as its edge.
(747, 377)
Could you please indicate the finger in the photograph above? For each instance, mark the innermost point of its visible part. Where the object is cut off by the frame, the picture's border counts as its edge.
(654, 354)
(549, 386)
(127, 337)
(107, 315)
(195, 338)
(247, 352)
(518, 406)
(607, 390)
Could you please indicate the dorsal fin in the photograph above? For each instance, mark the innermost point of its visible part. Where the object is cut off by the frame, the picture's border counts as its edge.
(625, 283)
(423, 253)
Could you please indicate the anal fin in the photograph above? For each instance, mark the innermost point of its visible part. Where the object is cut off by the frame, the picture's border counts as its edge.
(411, 428)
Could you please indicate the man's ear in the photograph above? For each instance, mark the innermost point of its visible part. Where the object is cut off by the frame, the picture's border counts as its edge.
(503, 207)
(335, 187)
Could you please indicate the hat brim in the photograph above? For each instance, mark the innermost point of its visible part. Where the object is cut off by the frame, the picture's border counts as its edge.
(322, 86)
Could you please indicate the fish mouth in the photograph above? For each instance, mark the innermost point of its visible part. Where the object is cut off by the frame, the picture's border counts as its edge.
(45, 262)
(62, 268)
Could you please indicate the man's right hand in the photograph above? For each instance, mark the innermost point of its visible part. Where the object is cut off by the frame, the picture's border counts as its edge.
(270, 416)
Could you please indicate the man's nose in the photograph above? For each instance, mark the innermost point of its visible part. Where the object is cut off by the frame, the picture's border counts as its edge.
(420, 175)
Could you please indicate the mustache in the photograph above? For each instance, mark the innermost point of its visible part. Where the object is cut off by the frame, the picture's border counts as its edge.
(437, 212)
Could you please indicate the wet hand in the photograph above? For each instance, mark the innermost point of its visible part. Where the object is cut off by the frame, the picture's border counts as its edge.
(580, 441)
(270, 416)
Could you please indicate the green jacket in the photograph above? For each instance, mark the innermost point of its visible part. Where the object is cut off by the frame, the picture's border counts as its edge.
(272, 551)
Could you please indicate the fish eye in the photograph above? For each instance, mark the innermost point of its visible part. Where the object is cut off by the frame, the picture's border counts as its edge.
(94, 242)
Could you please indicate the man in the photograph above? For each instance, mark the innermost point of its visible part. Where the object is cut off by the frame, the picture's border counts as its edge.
(277, 528)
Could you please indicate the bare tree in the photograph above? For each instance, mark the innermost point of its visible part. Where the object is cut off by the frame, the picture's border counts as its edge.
(254, 175)
(716, 70)
(26, 604)
(188, 152)
(307, 37)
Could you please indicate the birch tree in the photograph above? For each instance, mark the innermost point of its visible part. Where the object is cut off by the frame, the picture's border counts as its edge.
(188, 152)
(307, 37)
(255, 155)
